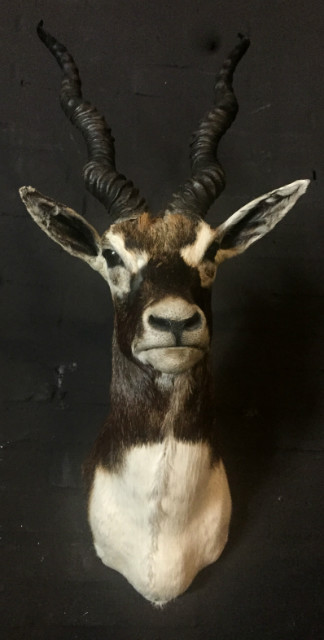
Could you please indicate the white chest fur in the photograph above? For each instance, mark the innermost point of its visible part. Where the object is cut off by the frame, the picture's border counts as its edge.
(162, 517)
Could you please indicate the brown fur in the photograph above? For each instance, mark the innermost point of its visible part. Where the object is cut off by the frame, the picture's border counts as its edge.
(158, 235)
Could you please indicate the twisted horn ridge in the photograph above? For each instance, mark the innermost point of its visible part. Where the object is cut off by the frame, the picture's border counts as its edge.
(207, 175)
(113, 190)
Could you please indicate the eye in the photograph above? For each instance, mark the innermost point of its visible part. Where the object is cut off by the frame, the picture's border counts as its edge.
(211, 251)
(112, 258)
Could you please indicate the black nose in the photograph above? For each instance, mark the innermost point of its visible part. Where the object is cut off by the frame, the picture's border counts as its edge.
(176, 326)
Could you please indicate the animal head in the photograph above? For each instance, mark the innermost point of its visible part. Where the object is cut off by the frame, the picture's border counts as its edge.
(160, 269)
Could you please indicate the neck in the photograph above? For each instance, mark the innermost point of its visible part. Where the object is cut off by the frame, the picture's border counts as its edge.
(148, 406)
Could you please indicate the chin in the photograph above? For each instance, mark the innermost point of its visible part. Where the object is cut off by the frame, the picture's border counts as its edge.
(171, 359)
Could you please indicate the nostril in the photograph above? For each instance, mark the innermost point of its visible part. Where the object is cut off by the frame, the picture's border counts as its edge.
(175, 326)
(163, 324)
(192, 323)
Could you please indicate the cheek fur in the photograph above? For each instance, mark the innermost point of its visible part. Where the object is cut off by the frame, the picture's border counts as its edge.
(128, 322)
(119, 281)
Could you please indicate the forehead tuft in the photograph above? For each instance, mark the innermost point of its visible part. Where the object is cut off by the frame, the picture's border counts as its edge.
(158, 234)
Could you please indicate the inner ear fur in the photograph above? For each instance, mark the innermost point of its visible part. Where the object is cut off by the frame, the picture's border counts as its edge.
(257, 218)
(62, 224)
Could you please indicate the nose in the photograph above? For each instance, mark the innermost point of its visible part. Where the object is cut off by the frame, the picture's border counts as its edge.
(177, 327)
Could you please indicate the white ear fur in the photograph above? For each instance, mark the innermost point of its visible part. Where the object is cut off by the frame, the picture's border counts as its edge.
(64, 226)
(256, 218)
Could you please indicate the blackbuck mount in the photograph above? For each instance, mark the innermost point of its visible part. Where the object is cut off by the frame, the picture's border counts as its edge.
(159, 504)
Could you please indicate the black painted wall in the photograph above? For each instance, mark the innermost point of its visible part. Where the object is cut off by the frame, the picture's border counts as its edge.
(149, 66)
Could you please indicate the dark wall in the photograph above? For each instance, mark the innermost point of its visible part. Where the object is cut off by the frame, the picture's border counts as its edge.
(149, 66)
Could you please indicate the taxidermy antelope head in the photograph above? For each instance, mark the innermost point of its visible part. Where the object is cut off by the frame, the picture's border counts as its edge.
(159, 502)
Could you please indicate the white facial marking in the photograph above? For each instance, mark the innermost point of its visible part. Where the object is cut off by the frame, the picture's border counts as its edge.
(162, 517)
(99, 264)
(119, 277)
(193, 253)
(134, 259)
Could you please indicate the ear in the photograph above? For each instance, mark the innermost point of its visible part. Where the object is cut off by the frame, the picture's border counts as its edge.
(63, 225)
(256, 219)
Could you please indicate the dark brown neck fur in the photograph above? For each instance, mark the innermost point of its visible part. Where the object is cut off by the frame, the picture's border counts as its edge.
(147, 406)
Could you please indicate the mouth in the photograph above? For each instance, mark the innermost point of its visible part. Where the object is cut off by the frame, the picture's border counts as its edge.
(171, 359)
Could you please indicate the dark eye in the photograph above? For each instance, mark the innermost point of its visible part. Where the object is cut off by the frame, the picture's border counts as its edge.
(210, 253)
(112, 258)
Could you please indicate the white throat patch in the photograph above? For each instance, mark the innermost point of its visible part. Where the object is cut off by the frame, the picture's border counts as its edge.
(162, 517)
